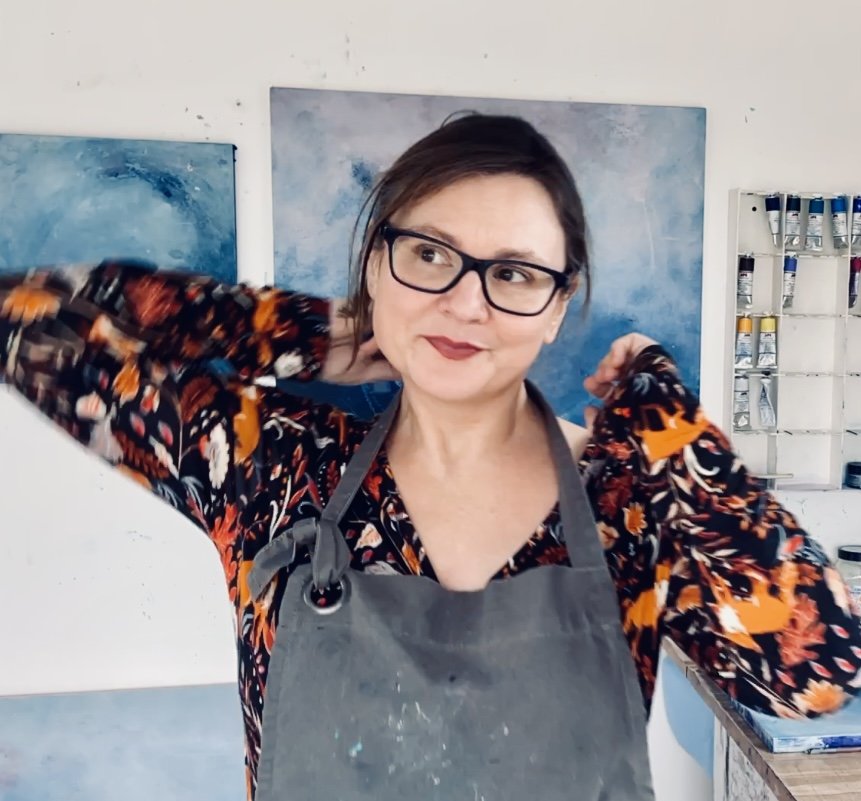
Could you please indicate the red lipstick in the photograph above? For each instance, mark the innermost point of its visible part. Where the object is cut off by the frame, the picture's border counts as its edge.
(457, 351)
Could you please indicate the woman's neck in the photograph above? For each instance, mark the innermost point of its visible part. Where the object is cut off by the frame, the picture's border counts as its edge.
(452, 435)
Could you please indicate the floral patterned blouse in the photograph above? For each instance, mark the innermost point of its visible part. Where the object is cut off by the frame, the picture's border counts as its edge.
(119, 356)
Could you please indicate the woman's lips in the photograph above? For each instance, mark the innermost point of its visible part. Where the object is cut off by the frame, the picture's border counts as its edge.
(457, 351)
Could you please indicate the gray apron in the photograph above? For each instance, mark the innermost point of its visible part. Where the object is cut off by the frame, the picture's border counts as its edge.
(400, 689)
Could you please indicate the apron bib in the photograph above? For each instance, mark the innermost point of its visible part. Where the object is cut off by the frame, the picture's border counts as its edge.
(402, 689)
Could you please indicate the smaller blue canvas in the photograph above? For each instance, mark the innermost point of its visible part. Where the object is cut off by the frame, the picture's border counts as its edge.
(137, 745)
(828, 733)
(66, 199)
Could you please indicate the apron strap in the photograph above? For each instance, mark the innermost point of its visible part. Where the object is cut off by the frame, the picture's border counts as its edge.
(579, 530)
(578, 523)
(279, 553)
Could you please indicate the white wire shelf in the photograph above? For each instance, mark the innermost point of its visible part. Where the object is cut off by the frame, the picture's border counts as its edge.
(775, 373)
(800, 254)
(763, 193)
(802, 486)
(788, 313)
(809, 315)
(790, 432)
(799, 374)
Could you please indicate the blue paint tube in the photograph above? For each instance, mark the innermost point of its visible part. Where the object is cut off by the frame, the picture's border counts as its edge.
(856, 220)
(790, 266)
(815, 215)
(839, 223)
(792, 222)
(772, 212)
(854, 281)
(744, 287)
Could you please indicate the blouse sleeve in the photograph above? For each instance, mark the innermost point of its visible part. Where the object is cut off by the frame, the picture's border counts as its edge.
(117, 354)
(714, 561)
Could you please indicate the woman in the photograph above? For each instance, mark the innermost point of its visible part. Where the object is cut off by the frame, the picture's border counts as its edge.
(487, 678)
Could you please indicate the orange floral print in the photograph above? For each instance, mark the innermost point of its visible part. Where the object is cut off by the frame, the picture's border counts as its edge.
(820, 697)
(26, 305)
(151, 301)
(127, 382)
(608, 534)
(805, 629)
(635, 518)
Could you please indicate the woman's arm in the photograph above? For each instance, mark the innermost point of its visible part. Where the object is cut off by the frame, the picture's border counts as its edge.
(716, 562)
(115, 355)
(178, 317)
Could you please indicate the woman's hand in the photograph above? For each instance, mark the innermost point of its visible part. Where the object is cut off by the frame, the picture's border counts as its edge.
(370, 364)
(613, 367)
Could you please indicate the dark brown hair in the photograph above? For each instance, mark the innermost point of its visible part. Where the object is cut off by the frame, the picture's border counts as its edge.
(467, 146)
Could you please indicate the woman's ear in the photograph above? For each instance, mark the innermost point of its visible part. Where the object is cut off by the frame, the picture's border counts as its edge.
(556, 321)
(372, 273)
(558, 316)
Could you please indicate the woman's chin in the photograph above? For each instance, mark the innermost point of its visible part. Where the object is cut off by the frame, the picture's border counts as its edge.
(449, 380)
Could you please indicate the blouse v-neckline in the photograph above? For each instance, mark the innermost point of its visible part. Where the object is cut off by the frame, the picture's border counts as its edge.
(407, 531)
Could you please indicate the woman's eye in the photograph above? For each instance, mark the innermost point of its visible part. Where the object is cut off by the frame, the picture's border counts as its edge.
(511, 275)
(433, 255)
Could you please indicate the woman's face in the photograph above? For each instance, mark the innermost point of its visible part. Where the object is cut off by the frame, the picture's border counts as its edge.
(455, 346)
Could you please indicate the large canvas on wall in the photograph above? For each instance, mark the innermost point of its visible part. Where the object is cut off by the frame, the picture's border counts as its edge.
(639, 168)
(72, 199)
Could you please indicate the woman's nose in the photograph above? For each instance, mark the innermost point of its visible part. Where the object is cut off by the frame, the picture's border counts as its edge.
(466, 298)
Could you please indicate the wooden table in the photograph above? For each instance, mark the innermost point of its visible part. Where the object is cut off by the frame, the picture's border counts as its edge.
(744, 770)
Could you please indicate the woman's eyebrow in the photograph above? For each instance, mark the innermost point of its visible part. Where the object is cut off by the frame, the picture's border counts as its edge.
(505, 253)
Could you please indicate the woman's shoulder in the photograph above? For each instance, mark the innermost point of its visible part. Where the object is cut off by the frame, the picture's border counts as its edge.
(276, 415)
(576, 436)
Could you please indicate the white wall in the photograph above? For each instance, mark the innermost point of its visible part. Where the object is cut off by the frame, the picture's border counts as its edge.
(102, 587)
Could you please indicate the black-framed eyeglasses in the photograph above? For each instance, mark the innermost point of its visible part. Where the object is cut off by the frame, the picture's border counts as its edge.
(430, 265)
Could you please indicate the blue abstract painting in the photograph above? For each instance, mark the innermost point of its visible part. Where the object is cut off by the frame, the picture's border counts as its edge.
(138, 745)
(841, 730)
(640, 170)
(69, 199)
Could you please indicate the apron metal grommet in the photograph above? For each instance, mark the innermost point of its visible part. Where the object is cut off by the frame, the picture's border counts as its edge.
(322, 602)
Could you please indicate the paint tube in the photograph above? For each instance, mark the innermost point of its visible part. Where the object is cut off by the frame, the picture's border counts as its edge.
(790, 265)
(839, 223)
(813, 234)
(766, 351)
(767, 414)
(744, 343)
(856, 220)
(744, 290)
(792, 222)
(772, 212)
(854, 280)
(741, 403)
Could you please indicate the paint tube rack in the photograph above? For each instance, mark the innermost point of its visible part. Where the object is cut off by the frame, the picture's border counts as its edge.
(816, 383)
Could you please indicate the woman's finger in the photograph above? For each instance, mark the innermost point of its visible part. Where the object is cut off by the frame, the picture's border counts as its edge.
(375, 365)
(599, 389)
